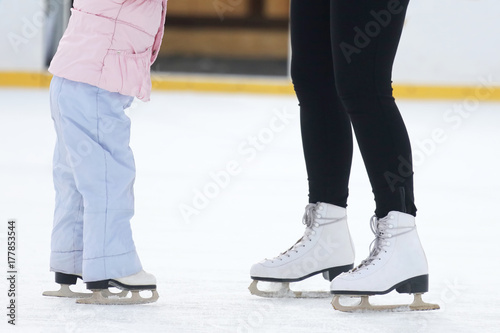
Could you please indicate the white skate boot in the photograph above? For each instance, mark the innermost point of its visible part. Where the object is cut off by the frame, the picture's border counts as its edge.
(396, 261)
(135, 283)
(325, 247)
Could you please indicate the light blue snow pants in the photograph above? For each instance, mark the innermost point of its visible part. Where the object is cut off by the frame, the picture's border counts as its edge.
(94, 173)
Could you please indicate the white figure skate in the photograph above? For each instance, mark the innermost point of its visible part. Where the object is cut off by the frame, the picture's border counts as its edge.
(325, 247)
(396, 261)
(136, 283)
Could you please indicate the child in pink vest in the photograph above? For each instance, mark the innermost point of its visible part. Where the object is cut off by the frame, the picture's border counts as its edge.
(103, 61)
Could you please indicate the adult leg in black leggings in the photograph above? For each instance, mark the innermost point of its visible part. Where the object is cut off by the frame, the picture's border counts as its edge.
(342, 56)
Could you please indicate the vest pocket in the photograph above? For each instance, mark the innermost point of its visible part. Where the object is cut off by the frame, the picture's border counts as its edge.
(128, 73)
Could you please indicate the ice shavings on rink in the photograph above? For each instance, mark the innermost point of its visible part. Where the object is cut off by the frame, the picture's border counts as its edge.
(221, 184)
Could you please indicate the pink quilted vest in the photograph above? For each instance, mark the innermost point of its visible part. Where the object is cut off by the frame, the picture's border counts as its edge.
(112, 44)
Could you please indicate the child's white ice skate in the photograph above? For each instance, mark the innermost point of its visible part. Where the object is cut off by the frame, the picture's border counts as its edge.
(136, 283)
(67, 280)
(396, 261)
(325, 247)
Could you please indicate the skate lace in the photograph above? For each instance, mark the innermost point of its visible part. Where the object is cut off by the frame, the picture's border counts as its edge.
(380, 229)
(309, 219)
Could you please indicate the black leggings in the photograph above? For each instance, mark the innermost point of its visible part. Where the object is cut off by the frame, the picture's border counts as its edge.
(342, 57)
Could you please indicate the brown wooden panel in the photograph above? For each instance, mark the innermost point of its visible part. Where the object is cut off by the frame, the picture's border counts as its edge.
(243, 43)
(227, 28)
(200, 22)
(209, 8)
(277, 9)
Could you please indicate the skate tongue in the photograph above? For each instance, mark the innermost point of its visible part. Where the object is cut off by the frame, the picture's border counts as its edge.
(292, 248)
(307, 219)
(373, 255)
(377, 226)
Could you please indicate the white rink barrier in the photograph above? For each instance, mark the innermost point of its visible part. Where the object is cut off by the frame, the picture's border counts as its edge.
(22, 34)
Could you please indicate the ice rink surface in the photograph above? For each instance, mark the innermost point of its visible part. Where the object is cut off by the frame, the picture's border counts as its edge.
(221, 184)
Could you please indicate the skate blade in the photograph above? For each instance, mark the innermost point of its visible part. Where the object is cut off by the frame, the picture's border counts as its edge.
(99, 297)
(109, 293)
(286, 292)
(365, 306)
(65, 291)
